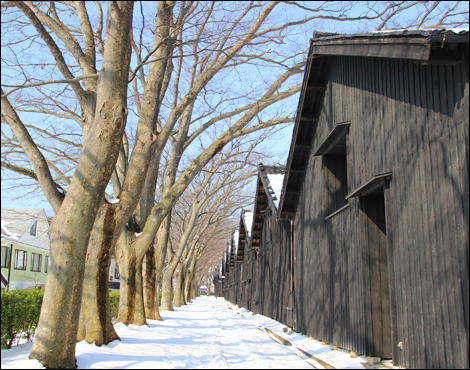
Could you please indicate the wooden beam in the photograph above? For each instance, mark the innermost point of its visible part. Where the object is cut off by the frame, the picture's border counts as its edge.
(309, 117)
(316, 86)
(303, 143)
(292, 190)
(297, 168)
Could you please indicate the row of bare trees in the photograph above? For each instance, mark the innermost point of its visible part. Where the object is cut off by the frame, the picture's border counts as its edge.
(131, 101)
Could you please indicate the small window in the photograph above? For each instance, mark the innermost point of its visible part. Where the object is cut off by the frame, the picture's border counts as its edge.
(32, 230)
(116, 273)
(20, 259)
(333, 150)
(46, 264)
(5, 257)
(36, 260)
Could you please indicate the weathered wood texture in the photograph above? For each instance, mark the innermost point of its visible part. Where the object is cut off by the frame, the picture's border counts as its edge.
(412, 120)
(218, 286)
(273, 268)
(397, 257)
(261, 283)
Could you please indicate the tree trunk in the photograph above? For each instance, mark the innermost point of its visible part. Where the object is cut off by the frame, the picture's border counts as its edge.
(131, 302)
(158, 261)
(150, 286)
(95, 320)
(193, 291)
(139, 312)
(190, 279)
(183, 285)
(187, 288)
(167, 290)
(177, 301)
(71, 227)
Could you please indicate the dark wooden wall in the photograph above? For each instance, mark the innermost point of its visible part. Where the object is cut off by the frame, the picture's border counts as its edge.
(273, 271)
(218, 286)
(247, 281)
(262, 283)
(412, 120)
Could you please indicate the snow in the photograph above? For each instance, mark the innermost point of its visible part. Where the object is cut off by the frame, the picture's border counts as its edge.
(8, 233)
(236, 234)
(208, 333)
(276, 180)
(248, 222)
(113, 201)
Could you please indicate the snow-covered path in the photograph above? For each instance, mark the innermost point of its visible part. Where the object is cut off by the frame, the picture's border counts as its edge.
(208, 333)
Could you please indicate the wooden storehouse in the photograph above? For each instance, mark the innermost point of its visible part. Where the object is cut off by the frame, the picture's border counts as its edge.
(377, 189)
(219, 278)
(232, 277)
(271, 287)
(235, 288)
(261, 278)
(369, 243)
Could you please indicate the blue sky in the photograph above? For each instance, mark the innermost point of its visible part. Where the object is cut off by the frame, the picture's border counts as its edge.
(278, 146)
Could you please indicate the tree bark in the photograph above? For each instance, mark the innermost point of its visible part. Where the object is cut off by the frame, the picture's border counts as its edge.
(139, 312)
(189, 284)
(183, 298)
(71, 227)
(187, 288)
(160, 255)
(167, 290)
(95, 324)
(179, 289)
(131, 302)
(150, 286)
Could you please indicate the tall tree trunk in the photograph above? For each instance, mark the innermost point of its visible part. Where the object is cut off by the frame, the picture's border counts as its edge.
(150, 286)
(189, 284)
(167, 290)
(183, 285)
(177, 301)
(187, 288)
(139, 312)
(158, 261)
(131, 302)
(71, 227)
(95, 320)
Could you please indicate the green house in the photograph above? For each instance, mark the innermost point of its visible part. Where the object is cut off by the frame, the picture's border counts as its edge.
(25, 247)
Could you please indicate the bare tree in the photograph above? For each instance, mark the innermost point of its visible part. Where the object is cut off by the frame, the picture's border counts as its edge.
(104, 105)
(225, 198)
(226, 175)
(190, 71)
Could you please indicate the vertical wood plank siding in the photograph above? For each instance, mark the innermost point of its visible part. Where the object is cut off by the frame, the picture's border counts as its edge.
(411, 120)
(264, 286)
